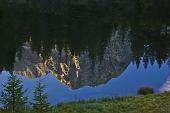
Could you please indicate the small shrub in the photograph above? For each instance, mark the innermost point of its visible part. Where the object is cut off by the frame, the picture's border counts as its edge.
(145, 91)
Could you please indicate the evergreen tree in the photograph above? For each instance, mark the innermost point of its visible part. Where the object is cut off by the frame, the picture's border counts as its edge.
(12, 96)
(40, 97)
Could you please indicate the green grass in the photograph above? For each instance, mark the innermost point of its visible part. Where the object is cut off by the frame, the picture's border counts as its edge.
(140, 104)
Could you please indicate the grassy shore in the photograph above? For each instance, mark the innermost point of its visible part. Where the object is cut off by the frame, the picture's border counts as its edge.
(141, 104)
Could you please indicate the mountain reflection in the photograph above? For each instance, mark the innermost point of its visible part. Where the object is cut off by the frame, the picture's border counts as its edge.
(82, 45)
(78, 70)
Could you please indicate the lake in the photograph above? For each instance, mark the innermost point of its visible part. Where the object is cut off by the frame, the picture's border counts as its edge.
(86, 50)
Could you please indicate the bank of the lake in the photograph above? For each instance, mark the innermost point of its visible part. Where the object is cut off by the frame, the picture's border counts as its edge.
(159, 103)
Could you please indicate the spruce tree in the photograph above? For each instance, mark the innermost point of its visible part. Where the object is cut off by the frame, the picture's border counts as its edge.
(40, 104)
(12, 96)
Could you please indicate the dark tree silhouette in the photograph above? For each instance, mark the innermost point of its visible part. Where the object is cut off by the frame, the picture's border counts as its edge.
(85, 27)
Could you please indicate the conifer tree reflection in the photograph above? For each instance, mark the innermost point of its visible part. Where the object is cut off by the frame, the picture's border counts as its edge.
(85, 27)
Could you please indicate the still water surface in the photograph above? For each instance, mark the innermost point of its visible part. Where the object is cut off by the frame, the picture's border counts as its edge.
(85, 52)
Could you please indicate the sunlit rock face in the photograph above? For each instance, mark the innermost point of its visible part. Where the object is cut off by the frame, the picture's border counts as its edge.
(78, 71)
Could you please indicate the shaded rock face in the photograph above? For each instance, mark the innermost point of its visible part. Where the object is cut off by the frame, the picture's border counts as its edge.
(78, 71)
(166, 86)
